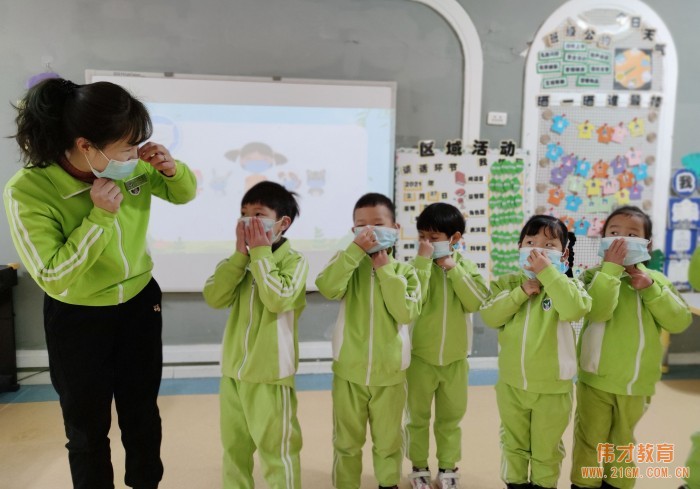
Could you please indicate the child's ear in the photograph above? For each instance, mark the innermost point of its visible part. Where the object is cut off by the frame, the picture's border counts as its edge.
(397, 225)
(454, 239)
(565, 255)
(650, 246)
(286, 222)
(83, 144)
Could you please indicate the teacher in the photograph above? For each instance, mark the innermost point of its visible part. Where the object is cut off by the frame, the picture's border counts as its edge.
(78, 213)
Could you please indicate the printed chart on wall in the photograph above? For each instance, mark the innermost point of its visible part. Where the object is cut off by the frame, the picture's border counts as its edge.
(485, 184)
(599, 102)
(683, 221)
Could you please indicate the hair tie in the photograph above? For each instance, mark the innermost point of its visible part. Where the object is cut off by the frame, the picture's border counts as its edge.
(68, 87)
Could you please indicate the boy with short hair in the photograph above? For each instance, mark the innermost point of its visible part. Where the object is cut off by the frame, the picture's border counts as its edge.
(452, 288)
(371, 345)
(264, 284)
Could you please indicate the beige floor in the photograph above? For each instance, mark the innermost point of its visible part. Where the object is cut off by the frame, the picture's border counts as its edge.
(32, 455)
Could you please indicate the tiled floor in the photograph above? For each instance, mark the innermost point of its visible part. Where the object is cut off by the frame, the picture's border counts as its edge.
(32, 453)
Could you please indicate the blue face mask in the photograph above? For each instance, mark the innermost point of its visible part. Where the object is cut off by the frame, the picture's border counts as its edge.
(553, 255)
(268, 224)
(115, 170)
(441, 249)
(386, 237)
(637, 249)
(256, 166)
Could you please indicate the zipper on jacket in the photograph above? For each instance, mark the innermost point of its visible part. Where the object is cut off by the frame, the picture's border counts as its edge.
(247, 331)
(120, 287)
(638, 360)
(371, 325)
(444, 314)
(522, 355)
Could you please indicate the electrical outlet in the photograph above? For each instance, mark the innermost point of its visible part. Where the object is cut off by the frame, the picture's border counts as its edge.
(497, 118)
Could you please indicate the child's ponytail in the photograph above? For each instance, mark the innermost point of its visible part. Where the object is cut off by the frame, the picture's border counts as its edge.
(571, 242)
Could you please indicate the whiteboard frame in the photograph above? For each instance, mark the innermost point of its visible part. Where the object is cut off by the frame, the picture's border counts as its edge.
(164, 261)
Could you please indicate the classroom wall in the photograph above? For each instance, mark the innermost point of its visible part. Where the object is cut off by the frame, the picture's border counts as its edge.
(397, 40)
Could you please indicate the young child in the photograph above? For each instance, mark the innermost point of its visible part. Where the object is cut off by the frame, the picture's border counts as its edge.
(264, 284)
(619, 347)
(533, 310)
(451, 288)
(379, 298)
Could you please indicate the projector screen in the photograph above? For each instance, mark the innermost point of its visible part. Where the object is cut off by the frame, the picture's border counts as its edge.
(328, 141)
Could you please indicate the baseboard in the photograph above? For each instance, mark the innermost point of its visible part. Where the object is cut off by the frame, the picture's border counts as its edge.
(197, 361)
(691, 358)
(183, 354)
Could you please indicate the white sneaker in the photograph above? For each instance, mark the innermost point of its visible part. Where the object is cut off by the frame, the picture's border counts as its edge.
(420, 479)
(447, 480)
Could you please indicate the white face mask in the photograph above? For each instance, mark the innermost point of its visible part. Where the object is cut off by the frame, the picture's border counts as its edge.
(268, 225)
(554, 256)
(637, 249)
(115, 170)
(386, 237)
(441, 249)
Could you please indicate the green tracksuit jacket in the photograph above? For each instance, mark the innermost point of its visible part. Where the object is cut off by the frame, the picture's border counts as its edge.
(619, 347)
(694, 269)
(538, 352)
(439, 335)
(81, 254)
(371, 344)
(266, 294)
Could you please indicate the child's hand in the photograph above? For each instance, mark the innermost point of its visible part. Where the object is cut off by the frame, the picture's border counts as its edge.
(446, 262)
(617, 252)
(240, 238)
(379, 259)
(538, 261)
(255, 234)
(531, 287)
(425, 248)
(638, 279)
(366, 239)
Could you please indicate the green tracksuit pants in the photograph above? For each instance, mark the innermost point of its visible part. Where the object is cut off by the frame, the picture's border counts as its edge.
(262, 417)
(693, 463)
(532, 426)
(448, 386)
(609, 419)
(353, 406)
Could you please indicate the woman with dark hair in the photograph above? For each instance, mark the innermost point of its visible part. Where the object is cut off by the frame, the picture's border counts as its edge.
(78, 213)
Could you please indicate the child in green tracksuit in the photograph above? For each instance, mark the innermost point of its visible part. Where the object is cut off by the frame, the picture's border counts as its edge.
(451, 288)
(379, 297)
(693, 464)
(264, 284)
(533, 311)
(619, 347)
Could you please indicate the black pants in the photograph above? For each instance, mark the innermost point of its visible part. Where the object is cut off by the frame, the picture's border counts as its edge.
(97, 353)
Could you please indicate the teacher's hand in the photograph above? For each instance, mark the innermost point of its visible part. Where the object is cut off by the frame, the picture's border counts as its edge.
(159, 158)
(106, 195)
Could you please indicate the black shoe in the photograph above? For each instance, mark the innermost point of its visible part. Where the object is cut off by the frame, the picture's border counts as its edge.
(388, 487)
(527, 485)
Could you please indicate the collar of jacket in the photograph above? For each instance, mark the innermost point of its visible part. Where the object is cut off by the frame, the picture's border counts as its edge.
(65, 184)
(282, 244)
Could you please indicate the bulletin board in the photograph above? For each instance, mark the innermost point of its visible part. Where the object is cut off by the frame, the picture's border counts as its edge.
(683, 225)
(486, 184)
(598, 119)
